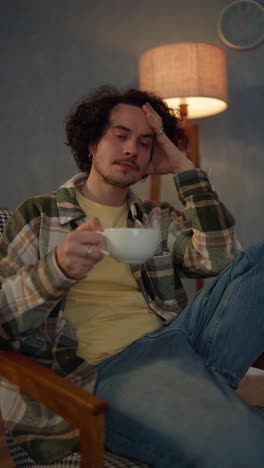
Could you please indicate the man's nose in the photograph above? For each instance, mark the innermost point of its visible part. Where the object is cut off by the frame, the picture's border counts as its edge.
(131, 147)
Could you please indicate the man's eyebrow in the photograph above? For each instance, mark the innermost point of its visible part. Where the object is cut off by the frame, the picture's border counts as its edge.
(126, 129)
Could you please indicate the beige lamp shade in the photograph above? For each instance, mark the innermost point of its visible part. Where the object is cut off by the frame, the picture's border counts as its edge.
(187, 73)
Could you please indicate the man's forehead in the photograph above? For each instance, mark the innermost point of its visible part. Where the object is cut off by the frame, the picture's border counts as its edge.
(129, 116)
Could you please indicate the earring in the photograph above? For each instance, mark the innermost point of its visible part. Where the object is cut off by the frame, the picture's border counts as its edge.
(144, 178)
(90, 157)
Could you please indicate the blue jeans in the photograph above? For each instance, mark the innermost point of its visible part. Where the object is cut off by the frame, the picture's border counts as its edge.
(171, 393)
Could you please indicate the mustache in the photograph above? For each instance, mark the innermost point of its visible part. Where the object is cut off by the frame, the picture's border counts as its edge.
(129, 161)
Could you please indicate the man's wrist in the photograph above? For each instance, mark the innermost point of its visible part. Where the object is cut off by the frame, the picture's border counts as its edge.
(184, 166)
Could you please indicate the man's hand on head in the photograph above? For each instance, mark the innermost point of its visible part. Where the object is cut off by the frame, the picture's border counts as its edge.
(167, 159)
(79, 251)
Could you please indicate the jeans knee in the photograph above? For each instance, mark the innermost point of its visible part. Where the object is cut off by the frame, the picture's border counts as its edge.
(255, 253)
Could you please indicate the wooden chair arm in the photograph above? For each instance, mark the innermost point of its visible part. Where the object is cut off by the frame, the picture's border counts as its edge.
(77, 406)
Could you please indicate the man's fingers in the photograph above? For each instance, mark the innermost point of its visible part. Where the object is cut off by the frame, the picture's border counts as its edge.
(92, 252)
(153, 117)
(84, 237)
(93, 224)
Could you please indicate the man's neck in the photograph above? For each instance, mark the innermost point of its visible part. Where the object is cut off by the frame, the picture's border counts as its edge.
(105, 194)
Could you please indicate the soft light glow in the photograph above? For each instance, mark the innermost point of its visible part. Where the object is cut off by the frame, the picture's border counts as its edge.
(187, 73)
(198, 106)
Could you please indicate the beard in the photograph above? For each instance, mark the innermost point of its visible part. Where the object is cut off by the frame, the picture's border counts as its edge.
(118, 183)
(122, 182)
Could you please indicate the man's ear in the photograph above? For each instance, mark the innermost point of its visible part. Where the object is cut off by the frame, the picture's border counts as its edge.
(91, 149)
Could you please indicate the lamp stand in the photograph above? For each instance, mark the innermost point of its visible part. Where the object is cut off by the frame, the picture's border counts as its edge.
(154, 187)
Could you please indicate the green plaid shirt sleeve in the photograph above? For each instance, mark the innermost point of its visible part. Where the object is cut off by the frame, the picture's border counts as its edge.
(203, 237)
(31, 286)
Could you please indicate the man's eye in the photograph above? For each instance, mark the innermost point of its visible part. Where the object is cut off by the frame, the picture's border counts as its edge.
(145, 144)
(120, 136)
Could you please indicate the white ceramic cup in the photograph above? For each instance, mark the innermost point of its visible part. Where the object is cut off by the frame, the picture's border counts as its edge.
(130, 245)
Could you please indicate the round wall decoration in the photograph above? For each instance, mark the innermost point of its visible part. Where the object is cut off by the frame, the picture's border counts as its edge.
(241, 24)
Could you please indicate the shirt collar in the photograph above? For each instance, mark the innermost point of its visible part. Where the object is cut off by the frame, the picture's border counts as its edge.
(69, 209)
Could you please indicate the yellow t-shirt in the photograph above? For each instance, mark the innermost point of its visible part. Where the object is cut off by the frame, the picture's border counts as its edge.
(106, 308)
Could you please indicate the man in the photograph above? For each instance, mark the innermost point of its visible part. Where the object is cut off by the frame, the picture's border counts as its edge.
(167, 370)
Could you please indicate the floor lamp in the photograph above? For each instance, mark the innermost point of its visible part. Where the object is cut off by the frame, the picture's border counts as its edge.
(192, 78)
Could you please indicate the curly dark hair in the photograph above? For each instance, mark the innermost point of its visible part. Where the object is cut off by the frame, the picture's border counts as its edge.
(88, 121)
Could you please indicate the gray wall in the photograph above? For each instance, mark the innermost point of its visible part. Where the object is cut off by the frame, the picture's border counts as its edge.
(54, 51)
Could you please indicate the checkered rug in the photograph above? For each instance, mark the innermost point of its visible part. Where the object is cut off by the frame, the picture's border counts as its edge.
(23, 460)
